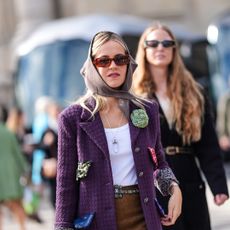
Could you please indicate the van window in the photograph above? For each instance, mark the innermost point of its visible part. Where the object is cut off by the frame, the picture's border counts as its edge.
(52, 70)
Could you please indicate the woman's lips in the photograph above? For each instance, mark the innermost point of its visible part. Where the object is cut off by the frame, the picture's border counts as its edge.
(160, 56)
(114, 75)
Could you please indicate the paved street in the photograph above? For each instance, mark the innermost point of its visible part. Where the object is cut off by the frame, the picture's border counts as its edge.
(46, 214)
(220, 216)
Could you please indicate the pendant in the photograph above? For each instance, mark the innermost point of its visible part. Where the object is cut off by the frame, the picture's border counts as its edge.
(115, 145)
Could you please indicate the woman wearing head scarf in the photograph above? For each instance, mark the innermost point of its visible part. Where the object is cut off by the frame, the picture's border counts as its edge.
(187, 131)
(109, 151)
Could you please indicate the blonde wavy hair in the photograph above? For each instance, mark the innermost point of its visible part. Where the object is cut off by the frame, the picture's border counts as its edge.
(185, 93)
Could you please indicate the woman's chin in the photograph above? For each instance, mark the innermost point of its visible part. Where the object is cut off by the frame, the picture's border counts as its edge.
(115, 85)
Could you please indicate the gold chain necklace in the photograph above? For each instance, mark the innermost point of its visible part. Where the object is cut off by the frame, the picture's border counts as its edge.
(115, 142)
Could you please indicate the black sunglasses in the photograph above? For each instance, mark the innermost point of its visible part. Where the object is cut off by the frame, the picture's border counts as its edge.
(155, 43)
(105, 61)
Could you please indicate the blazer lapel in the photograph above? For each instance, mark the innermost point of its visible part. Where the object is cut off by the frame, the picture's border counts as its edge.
(95, 130)
(93, 127)
(134, 131)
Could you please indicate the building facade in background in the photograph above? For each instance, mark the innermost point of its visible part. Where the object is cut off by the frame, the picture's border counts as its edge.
(18, 18)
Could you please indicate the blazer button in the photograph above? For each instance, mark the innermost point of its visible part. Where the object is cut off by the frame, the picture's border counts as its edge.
(200, 186)
(137, 149)
(146, 200)
(141, 174)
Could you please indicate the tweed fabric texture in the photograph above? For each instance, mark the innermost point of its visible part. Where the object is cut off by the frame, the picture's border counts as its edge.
(83, 139)
(64, 228)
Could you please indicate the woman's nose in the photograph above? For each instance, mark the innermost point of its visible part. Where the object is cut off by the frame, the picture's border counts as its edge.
(113, 64)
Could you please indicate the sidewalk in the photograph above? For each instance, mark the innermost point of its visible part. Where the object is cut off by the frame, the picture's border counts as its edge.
(46, 213)
(220, 215)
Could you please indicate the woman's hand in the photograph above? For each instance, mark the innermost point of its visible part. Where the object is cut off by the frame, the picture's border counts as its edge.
(174, 207)
(224, 143)
(219, 199)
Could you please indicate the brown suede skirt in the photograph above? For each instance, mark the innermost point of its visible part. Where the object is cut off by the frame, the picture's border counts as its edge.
(129, 213)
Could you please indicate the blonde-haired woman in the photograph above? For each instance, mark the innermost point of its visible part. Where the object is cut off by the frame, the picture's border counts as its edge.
(109, 151)
(187, 130)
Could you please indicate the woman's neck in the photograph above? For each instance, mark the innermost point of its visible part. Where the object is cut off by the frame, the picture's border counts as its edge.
(111, 114)
(159, 76)
(111, 104)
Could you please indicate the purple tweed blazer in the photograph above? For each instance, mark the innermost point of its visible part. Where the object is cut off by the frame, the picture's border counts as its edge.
(83, 139)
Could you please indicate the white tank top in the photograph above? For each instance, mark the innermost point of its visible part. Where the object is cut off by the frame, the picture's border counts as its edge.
(121, 156)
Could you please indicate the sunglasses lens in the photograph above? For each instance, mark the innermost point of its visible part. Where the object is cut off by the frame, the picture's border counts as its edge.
(102, 62)
(155, 43)
(121, 60)
(106, 61)
(168, 43)
(152, 43)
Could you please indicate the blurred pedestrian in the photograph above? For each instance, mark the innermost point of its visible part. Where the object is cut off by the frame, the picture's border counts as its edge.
(48, 144)
(105, 173)
(187, 128)
(223, 123)
(15, 123)
(12, 167)
(40, 124)
(49, 165)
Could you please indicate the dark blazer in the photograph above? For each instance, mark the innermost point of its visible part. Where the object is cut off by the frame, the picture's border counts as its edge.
(186, 167)
(83, 139)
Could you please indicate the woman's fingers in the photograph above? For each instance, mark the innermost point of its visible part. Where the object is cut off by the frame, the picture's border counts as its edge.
(174, 208)
(219, 199)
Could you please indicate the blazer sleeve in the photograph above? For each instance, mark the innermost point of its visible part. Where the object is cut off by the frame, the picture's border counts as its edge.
(209, 154)
(67, 192)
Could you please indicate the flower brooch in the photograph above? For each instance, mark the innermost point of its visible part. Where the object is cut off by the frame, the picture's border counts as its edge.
(139, 118)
